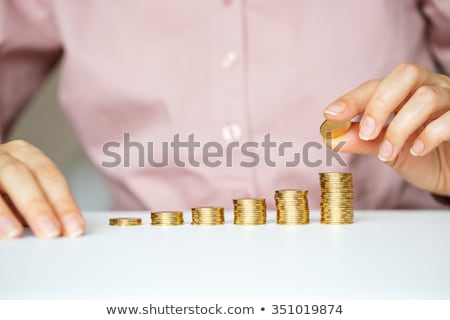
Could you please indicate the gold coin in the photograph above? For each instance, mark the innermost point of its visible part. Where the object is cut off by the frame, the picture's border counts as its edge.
(167, 218)
(125, 221)
(208, 216)
(335, 129)
(337, 198)
(249, 211)
(292, 206)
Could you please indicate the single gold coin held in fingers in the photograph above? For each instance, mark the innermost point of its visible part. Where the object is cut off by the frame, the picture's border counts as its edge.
(330, 129)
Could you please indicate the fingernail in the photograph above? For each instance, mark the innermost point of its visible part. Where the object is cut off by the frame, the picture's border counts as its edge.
(46, 227)
(72, 225)
(367, 128)
(386, 151)
(335, 109)
(417, 148)
(8, 229)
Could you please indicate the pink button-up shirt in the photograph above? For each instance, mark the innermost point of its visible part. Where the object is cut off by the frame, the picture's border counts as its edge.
(225, 71)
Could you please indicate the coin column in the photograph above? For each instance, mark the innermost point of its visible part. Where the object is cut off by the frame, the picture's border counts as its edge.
(337, 198)
(249, 211)
(207, 216)
(167, 218)
(292, 206)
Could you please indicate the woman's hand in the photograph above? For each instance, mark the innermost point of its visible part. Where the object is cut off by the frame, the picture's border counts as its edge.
(34, 192)
(415, 141)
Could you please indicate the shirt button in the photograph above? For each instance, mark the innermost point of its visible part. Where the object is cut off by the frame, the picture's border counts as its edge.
(229, 60)
(231, 132)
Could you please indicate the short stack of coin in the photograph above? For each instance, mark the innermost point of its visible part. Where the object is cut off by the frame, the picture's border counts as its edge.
(337, 198)
(167, 218)
(122, 222)
(207, 216)
(292, 206)
(249, 211)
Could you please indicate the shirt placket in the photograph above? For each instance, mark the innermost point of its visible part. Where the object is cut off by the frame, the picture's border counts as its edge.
(229, 96)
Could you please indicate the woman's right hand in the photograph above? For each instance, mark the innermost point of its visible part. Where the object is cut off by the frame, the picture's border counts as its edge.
(35, 193)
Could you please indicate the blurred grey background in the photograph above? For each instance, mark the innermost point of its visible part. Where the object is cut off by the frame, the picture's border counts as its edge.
(44, 125)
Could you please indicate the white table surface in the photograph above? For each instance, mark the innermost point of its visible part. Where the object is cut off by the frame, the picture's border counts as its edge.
(384, 254)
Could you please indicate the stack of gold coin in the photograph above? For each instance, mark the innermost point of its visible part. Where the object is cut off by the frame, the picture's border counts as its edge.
(167, 218)
(207, 216)
(125, 222)
(292, 206)
(337, 198)
(249, 211)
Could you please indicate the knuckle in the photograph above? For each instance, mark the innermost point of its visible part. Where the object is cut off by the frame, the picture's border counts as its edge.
(13, 167)
(443, 81)
(394, 134)
(410, 70)
(349, 100)
(354, 97)
(433, 131)
(19, 143)
(429, 95)
(23, 147)
(371, 83)
(379, 103)
(49, 171)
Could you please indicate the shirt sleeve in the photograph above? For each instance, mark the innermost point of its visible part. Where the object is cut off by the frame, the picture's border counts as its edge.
(437, 13)
(29, 49)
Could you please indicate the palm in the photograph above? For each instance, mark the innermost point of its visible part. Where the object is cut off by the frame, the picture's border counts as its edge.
(429, 172)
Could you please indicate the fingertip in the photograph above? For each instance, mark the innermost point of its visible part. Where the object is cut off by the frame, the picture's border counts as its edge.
(45, 227)
(48, 235)
(18, 231)
(334, 110)
(364, 138)
(337, 111)
(413, 153)
(331, 115)
(9, 227)
(73, 224)
(12, 233)
(418, 148)
(367, 128)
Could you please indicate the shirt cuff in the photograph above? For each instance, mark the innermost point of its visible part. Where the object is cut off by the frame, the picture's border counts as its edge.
(441, 199)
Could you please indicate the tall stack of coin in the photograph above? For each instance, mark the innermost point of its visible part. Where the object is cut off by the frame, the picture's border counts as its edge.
(292, 206)
(249, 211)
(337, 198)
(207, 216)
(167, 218)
